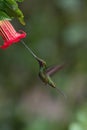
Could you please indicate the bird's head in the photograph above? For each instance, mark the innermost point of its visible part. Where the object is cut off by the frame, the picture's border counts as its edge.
(42, 63)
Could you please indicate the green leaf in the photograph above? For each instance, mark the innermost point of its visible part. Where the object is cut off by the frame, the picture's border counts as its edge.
(4, 16)
(19, 0)
(10, 7)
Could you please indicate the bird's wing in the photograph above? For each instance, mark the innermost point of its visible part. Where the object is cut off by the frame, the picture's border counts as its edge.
(51, 70)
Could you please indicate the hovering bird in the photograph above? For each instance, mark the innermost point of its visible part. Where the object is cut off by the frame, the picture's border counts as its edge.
(45, 72)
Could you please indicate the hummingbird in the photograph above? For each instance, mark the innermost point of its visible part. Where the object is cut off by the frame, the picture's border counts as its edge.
(45, 72)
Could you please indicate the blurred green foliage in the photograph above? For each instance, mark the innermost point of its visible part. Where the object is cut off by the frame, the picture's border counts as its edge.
(56, 31)
(9, 9)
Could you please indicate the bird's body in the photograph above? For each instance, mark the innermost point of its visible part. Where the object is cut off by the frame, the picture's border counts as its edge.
(45, 78)
(45, 73)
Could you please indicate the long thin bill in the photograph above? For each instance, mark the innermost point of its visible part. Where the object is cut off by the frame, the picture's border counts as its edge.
(32, 53)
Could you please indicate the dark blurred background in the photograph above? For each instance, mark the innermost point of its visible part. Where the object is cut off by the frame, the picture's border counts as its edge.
(56, 32)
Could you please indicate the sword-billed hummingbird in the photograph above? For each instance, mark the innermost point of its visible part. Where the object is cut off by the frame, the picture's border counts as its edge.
(44, 71)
